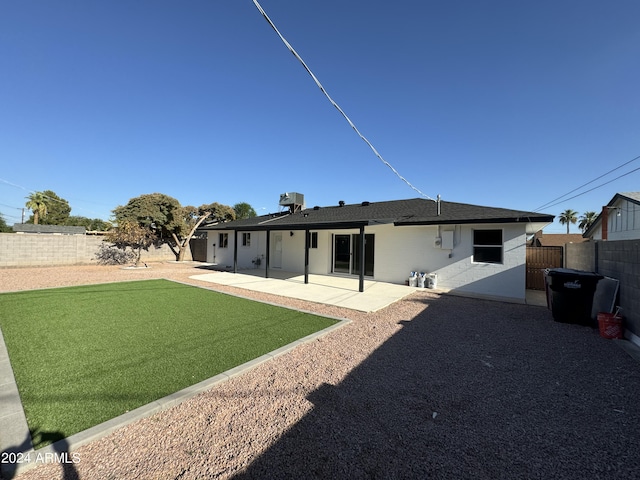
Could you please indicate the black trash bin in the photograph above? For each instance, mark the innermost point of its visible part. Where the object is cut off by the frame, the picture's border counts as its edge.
(572, 295)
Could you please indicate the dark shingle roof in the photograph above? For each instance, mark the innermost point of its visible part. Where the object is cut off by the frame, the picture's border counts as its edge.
(31, 228)
(415, 211)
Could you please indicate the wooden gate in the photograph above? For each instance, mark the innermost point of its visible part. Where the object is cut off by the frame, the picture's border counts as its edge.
(539, 259)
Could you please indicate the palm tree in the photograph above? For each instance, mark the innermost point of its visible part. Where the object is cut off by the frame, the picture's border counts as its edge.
(36, 203)
(567, 217)
(586, 220)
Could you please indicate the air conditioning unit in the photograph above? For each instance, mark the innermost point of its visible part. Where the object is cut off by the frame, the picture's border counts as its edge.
(287, 199)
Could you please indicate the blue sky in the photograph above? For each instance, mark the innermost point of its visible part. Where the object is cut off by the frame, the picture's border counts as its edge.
(498, 103)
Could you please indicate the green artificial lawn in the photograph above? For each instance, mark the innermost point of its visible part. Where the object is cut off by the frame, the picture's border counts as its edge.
(84, 355)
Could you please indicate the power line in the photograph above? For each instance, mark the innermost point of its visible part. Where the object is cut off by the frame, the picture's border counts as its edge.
(548, 204)
(322, 89)
(9, 206)
(594, 188)
(63, 201)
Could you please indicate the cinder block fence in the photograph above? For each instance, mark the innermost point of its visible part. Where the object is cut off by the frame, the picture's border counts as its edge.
(618, 259)
(35, 250)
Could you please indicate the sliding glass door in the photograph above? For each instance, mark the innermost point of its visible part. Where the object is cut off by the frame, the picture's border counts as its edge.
(346, 253)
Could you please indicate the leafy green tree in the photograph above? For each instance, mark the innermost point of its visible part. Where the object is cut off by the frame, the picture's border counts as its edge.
(91, 224)
(586, 220)
(173, 223)
(568, 217)
(37, 204)
(58, 209)
(244, 210)
(4, 228)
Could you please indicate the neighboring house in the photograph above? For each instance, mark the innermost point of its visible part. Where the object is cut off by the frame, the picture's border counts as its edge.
(474, 250)
(619, 219)
(556, 239)
(55, 229)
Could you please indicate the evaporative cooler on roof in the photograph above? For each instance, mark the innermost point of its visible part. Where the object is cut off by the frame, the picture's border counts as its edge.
(294, 201)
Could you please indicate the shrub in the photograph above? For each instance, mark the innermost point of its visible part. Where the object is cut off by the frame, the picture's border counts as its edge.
(113, 255)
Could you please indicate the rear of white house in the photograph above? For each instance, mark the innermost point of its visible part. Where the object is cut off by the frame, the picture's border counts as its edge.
(473, 250)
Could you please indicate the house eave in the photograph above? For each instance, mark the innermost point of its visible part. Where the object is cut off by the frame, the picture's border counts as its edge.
(542, 220)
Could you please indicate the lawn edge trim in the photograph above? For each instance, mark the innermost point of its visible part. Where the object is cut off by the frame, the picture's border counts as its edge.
(77, 440)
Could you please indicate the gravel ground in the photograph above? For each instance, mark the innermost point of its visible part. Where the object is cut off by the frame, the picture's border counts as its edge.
(430, 387)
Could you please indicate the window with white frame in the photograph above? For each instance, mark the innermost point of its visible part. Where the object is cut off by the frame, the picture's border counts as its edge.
(223, 240)
(487, 246)
(246, 239)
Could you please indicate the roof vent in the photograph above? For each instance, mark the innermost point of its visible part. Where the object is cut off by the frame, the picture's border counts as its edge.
(341, 203)
(366, 204)
(316, 207)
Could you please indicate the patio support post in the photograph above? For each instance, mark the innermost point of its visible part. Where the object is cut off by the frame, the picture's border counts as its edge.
(306, 256)
(266, 256)
(362, 242)
(235, 251)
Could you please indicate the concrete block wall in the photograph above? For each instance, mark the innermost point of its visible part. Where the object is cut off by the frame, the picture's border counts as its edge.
(34, 250)
(580, 256)
(621, 259)
(618, 259)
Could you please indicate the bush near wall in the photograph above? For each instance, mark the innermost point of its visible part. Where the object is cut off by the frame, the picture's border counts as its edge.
(36, 250)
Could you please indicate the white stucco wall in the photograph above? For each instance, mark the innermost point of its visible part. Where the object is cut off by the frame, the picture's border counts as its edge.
(400, 250)
(246, 254)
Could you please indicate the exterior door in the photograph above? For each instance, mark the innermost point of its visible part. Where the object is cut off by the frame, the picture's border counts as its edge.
(342, 253)
(346, 254)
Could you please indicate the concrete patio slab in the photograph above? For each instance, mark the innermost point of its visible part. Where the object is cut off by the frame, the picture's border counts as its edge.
(331, 290)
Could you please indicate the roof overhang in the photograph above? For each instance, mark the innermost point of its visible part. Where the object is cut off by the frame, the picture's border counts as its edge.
(291, 226)
(532, 224)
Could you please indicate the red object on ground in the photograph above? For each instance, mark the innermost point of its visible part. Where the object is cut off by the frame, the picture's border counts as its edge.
(610, 325)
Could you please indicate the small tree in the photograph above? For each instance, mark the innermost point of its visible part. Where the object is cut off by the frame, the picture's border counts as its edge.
(567, 217)
(244, 210)
(58, 209)
(174, 224)
(4, 228)
(132, 235)
(92, 224)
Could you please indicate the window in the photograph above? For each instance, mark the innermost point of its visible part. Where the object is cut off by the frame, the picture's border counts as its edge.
(487, 246)
(246, 239)
(223, 240)
(313, 240)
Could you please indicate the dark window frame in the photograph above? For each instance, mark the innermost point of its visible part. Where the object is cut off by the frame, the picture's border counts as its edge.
(313, 239)
(488, 246)
(223, 240)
